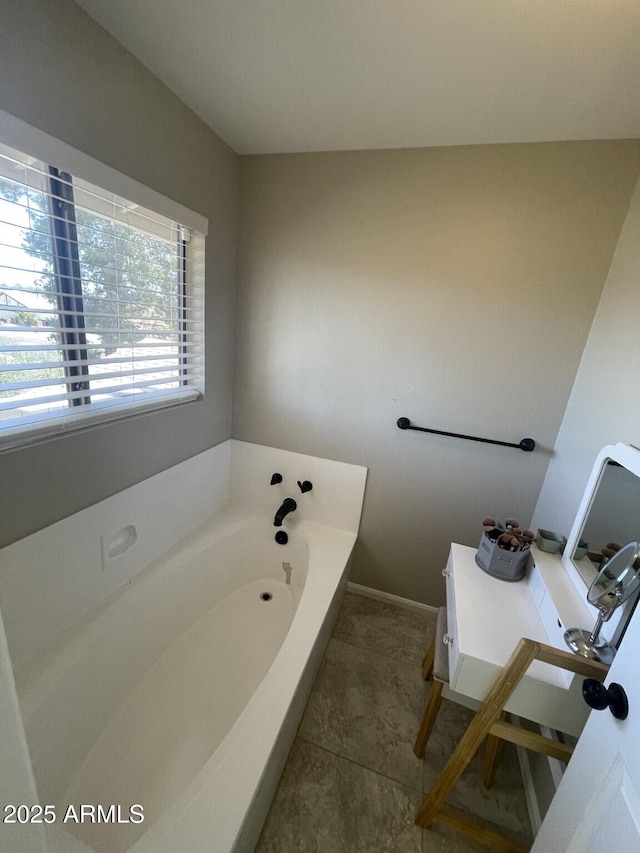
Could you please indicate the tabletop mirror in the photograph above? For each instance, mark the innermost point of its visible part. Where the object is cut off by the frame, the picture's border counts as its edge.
(617, 581)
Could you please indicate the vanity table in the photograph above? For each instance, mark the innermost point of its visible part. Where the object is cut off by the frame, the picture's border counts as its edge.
(486, 617)
(492, 622)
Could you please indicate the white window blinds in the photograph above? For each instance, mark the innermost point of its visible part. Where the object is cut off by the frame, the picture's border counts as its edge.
(101, 302)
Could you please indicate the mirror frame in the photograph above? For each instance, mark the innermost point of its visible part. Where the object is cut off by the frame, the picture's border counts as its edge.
(629, 457)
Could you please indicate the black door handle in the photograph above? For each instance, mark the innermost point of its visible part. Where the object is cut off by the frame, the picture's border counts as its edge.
(597, 696)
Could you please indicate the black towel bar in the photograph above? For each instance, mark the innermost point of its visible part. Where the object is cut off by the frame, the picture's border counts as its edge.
(526, 443)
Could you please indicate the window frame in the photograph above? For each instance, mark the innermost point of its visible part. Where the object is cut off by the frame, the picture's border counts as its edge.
(69, 161)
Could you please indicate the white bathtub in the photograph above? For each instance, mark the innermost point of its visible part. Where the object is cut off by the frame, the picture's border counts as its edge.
(181, 692)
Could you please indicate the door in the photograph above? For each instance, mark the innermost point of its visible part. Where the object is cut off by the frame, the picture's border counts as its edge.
(597, 805)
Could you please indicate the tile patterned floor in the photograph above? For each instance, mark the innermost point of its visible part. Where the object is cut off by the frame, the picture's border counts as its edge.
(352, 783)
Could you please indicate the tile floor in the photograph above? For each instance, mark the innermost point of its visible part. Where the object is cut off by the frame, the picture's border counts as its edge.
(352, 783)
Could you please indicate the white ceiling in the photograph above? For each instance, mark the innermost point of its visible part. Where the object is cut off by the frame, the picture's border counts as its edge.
(315, 75)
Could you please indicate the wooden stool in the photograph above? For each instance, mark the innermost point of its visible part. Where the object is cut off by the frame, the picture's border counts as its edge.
(489, 720)
(435, 667)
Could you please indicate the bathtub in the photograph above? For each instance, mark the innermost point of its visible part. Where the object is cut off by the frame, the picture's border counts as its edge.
(161, 720)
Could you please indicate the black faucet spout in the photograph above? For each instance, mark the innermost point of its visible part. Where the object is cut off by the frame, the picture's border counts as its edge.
(288, 505)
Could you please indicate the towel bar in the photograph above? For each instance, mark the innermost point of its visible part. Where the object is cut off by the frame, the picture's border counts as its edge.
(526, 443)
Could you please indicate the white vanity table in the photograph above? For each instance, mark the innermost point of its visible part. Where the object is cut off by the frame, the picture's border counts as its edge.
(487, 617)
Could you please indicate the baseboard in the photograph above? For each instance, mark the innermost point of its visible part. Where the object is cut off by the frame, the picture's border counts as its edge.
(377, 594)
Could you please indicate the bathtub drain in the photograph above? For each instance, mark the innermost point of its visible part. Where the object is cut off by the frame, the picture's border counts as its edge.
(266, 596)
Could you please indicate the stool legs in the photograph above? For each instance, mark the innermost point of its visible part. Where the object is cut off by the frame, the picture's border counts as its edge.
(478, 729)
(490, 720)
(429, 719)
(491, 754)
(427, 663)
(433, 705)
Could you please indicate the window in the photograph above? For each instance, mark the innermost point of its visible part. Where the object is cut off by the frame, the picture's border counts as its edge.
(101, 302)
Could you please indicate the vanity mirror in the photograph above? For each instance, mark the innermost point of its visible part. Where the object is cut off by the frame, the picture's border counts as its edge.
(609, 514)
(617, 581)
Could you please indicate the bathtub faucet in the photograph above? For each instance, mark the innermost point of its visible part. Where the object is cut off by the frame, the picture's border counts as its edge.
(288, 505)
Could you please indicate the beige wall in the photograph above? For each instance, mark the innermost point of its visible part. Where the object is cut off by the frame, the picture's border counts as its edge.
(604, 407)
(452, 286)
(65, 75)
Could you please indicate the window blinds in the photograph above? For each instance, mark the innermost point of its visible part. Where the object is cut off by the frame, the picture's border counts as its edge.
(101, 302)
